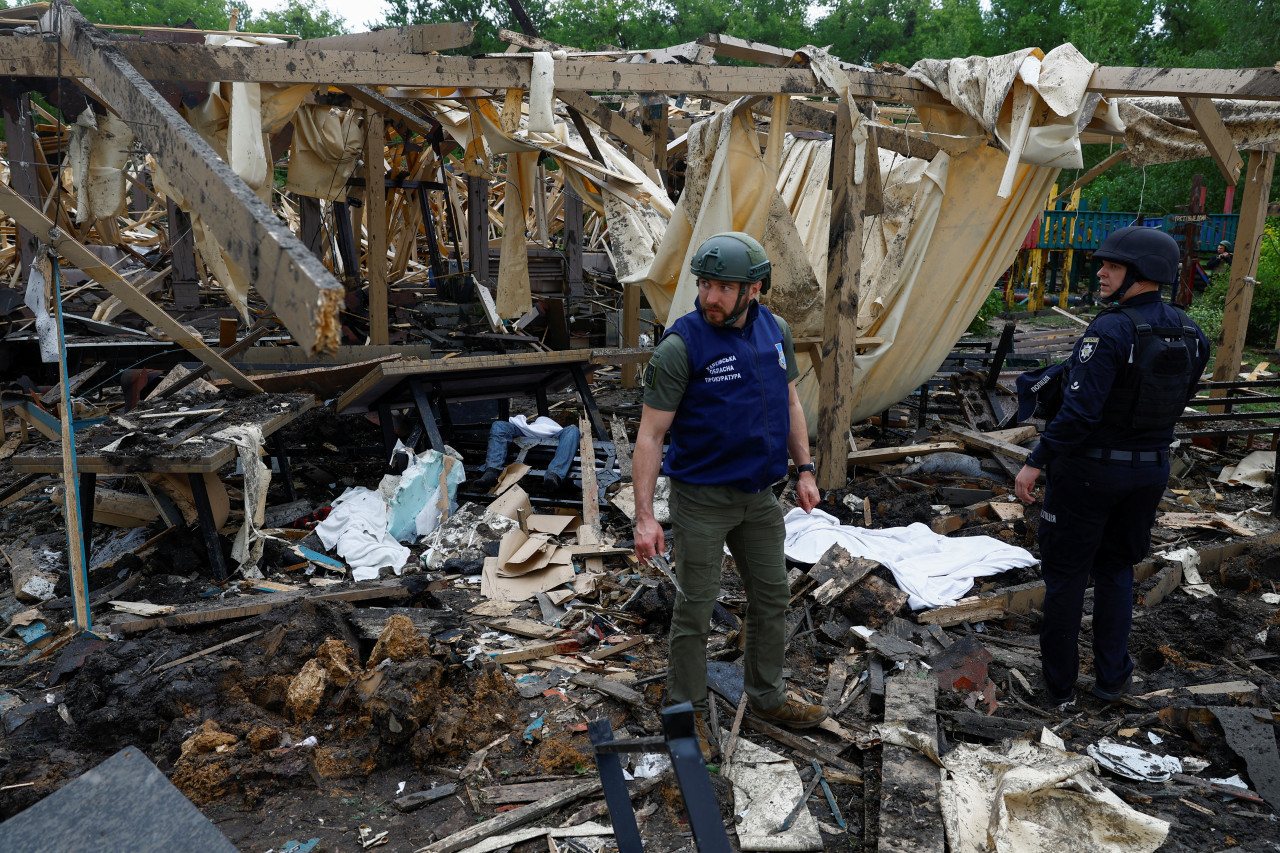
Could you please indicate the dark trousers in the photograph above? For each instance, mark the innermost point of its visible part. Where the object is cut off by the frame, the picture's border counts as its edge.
(1096, 521)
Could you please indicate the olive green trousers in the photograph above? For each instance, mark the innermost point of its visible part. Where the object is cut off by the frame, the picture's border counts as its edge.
(704, 519)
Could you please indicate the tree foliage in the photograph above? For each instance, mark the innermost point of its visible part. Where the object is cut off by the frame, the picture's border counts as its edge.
(305, 18)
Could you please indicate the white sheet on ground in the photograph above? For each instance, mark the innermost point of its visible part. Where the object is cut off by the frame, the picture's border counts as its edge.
(936, 571)
(357, 530)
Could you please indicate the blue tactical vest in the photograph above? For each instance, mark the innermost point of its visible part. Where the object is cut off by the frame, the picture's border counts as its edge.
(732, 424)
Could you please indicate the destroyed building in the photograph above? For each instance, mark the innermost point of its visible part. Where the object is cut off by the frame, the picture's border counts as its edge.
(248, 397)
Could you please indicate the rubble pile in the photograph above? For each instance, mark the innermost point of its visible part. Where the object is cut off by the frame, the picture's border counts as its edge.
(288, 701)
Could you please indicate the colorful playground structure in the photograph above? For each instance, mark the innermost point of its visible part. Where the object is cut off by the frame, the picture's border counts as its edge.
(1057, 255)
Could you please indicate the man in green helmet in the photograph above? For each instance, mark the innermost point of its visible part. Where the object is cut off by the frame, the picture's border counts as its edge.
(722, 381)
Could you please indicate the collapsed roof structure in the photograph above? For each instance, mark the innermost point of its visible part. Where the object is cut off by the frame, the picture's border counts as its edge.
(938, 172)
(889, 200)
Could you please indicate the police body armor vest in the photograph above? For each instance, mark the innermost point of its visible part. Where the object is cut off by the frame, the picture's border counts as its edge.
(1151, 392)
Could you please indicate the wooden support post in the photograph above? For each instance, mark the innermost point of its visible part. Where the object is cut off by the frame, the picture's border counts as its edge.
(297, 286)
(631, 295)
(1204, 115)
(478, 227)
(311, 230)
(777, 131)
(573, 243)
(184, 281)
(375, 223)
(840, 324)
(20, 148)
(1244, 267)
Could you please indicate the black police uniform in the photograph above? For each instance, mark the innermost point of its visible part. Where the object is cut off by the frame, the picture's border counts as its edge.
(1103, 485)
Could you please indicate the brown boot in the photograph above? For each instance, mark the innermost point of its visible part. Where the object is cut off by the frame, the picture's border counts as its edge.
(705, 741)
(793, 713)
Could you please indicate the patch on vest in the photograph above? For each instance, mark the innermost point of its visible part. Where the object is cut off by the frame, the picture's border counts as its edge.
(1047, 516)
(1088, 346)
(782, 358)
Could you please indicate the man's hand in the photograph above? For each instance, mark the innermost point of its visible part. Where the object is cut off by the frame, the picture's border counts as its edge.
(650, 540)
(1025, 483)
(807, 491)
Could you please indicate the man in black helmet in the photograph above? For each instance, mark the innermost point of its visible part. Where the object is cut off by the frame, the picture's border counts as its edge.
(1107, 454)
(722, 380)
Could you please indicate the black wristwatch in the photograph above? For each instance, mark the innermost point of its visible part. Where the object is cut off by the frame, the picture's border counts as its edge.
(808, 466)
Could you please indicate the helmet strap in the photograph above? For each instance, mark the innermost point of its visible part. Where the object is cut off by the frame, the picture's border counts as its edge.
(739, 306)
(1129, 281)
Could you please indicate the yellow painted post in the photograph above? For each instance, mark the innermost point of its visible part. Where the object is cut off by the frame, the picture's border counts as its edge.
(1064, 295)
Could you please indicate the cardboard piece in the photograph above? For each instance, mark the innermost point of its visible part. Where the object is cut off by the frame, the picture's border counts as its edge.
(519, 553)
(555, 525)
(521, 587)
(509, 477)
(509, 503)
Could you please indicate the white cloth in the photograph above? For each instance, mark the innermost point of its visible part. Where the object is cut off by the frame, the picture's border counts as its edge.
(935, 570)
(357, 529)
(540, 427)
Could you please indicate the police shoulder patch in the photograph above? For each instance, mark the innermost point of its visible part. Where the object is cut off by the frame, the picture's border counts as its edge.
(1088, 346)
(649, 371)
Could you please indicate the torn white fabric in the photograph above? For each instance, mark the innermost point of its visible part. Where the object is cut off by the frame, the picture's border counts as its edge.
(247, 548)
(1134, 763)
(766, 786)
(357, 530)
(98, 148)
(540, 427)
(542, 84)
(936, 571)
(1255, 470)
(324, 151)
(37, 298)
(1033, 798)
(1157, 130)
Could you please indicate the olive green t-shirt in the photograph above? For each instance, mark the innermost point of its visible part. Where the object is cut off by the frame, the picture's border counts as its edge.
(667, 375)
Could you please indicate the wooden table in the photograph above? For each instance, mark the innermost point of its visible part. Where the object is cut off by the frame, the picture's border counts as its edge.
(160, 453)
(429, 386)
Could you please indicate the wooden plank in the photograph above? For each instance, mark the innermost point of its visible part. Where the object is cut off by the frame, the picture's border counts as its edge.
(419, 124)
(617, 648)
(375, 223)
(30, 217)
(421, 38)
(1102, 166)
(294, 282)
(800, 745)
(1204, 115)
(608, 120)
(840, 318)
(526, 792)
(258, 604)
(892, 454)
(973, 438)
(536, 650)
(1248, 248)
(1262, 84)
(523, 627)
(1167, 580)
(910, 817)
(590, 493)
(28, 56)
(508, 820)
(208, 651)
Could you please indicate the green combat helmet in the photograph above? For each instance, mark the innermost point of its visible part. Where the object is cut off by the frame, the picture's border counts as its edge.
(733, 256)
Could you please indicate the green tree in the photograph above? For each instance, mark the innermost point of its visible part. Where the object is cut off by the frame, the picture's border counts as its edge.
(305, 18)
(204, 14)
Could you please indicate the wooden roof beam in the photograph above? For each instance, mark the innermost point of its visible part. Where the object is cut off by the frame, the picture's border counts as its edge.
(28, 56)
(1204, 115)
(303, 294)
(1258, 84)
(423, 38)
